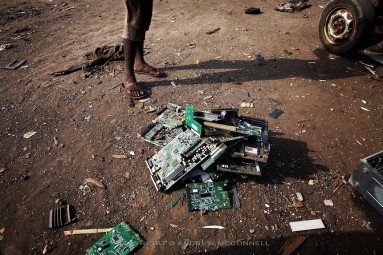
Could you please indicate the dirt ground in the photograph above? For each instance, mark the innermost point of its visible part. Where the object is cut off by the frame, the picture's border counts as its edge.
(80, 122)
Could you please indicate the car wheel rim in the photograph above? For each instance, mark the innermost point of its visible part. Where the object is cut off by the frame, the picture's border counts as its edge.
(340, 26)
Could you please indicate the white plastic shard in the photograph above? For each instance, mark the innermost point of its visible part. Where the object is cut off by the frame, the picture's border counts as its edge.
(306, 225)
(214, 226)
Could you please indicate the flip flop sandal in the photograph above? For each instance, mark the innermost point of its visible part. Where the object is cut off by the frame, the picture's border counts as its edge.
(135, 93)
(153, 73)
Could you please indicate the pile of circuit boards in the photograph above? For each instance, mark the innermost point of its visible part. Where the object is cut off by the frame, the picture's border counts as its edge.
(216, 142)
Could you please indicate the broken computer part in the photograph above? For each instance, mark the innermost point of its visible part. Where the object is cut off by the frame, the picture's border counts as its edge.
(176, 159)
(209, 196)
(368, 180)
(252, 148)
(165, 127)
(158, 134)
(239, 166)
(122, 240)
(61, 216)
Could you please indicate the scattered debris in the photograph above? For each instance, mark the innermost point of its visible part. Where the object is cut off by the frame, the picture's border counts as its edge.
(132, 153)
(139, 105)
(2, 169)
(252, 10)
(121, 239)
(236, 197)
(29, 134)
(127, 175)
(306, 225)
(297, 203)
(313, 182)
(14, 64)
(61, 216)
(2, 231)
(45, 250)
(173, 84)
(94, 183)
(6, 46)
(173, 225)
(213, 31)
(328, 202)
(293, 6)
(214, 227)
(276, 113)
(299, 196)
(365, 109)
(259, 59)
(150, 109)
(120, 156)
(85, 189)
(178, 197)
(291, 244)
(246, 105)
(86, 231)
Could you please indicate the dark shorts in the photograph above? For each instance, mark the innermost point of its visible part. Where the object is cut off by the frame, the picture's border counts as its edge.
(138, 18)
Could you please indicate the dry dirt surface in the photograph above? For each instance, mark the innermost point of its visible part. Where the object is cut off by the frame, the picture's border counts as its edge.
(81, 122)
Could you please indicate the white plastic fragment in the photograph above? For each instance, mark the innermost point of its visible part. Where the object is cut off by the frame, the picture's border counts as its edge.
(364, 109)
(328, 202)
(306, 225)
(29, 134)
(214, 227)
(132, 153)
(120, 156)
(299, 196)
(312, 182)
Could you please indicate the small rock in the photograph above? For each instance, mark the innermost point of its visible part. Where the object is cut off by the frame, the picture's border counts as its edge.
(58, 201)
(252, 231)
(127, 175)
(152, 228)
(87, 118)
(132, 153)
(328, 202)
(88, 224)
(2, 169)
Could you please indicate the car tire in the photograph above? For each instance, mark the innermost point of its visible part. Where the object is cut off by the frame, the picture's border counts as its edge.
(346, 24)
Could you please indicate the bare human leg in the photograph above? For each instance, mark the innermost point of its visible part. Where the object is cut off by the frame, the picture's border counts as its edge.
(130, 84)
(140, 66)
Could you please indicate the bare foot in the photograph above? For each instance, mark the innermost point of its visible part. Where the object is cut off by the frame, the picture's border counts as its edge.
(133, 90)
(148, 70)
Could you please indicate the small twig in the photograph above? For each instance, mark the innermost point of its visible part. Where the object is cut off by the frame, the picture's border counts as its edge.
(118, 85)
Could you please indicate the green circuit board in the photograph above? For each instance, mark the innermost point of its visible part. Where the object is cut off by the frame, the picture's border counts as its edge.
(121, 240)
(207, 196)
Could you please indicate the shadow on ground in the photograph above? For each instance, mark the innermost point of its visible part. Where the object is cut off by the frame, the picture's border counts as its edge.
(239, 71)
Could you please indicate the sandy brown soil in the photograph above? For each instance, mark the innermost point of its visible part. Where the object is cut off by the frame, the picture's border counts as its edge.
(80, 123)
